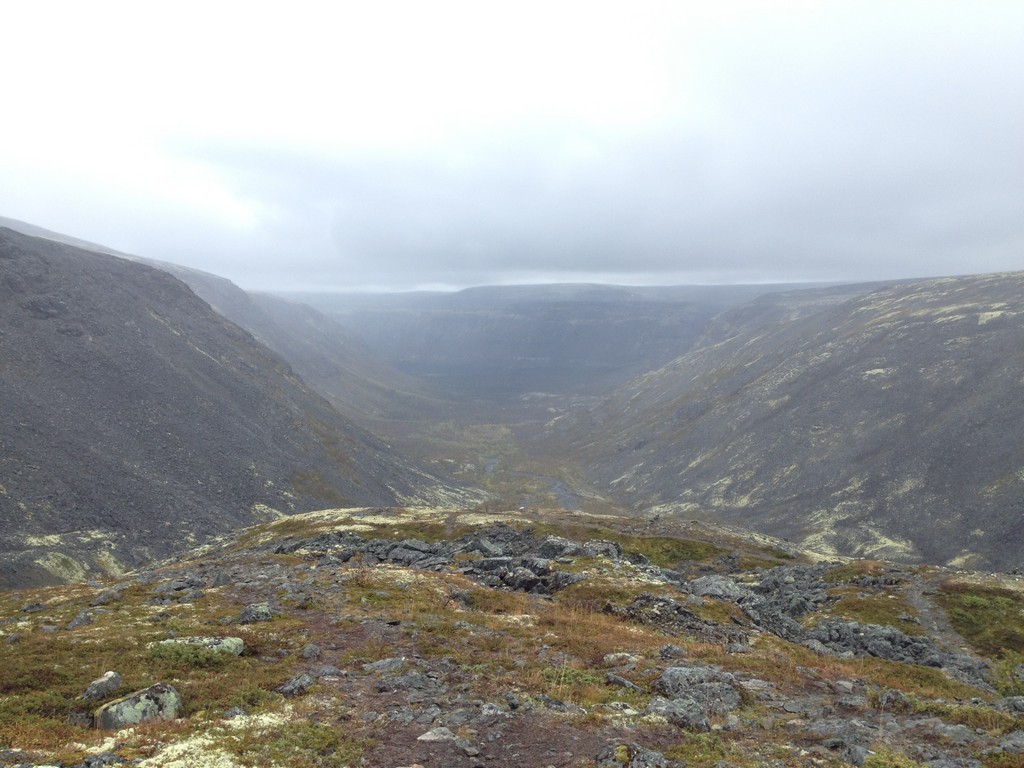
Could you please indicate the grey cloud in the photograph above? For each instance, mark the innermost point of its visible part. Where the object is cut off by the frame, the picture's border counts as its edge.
(897, 159)
(832, 141)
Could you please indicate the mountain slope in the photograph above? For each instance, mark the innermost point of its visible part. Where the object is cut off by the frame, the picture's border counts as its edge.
(326, 355)
(888, 424)
(136, 419)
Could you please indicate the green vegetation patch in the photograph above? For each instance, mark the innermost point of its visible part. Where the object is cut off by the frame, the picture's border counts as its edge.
(875, 608)
(300, 744)
(883, 757)
(973, 716)
(44, 674)
(1004, 760)
(668, 552)
(752, 562)
(851, 572)
(989, 618)
(663, 551)
(925, 682)
(584, 687)
(708, 750)
(595, 593)
(718, 611)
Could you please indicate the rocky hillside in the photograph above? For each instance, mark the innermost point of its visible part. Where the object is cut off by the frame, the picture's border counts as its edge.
(884, 425)
(135, 419)
(388, 638)
(327, 356)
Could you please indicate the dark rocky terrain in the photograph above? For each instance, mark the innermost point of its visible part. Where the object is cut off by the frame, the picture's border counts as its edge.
(327, 356)
(404, 637)
(883, 425)
(135, 420)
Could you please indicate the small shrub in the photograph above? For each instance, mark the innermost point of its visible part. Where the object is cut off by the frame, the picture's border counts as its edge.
(172, 659)
(249, 696)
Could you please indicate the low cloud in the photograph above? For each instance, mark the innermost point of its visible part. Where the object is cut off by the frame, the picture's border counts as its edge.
(785, 142)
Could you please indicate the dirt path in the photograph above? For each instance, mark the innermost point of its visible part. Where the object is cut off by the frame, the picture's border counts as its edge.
(932, 617)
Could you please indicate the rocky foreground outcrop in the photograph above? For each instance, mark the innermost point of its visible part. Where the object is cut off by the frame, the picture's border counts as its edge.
(371, 638)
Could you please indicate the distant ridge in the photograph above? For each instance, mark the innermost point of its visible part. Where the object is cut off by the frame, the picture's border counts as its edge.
(501, 342)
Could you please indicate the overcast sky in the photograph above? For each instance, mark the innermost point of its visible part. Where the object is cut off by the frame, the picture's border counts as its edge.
(399, 145)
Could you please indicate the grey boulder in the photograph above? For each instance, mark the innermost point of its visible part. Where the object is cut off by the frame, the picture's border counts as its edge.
(158, 702)
(102, 687)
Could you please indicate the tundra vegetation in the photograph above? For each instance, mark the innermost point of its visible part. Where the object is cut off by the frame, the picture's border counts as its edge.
(397, 636)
